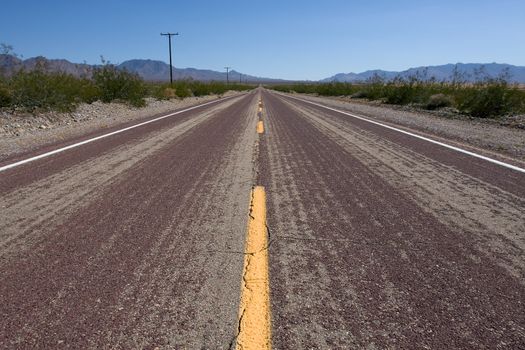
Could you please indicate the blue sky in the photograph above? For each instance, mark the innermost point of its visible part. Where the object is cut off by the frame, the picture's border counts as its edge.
(285, 39)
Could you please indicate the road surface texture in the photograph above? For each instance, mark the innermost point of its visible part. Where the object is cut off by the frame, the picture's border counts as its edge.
(377, 240)
(131, 241)
(380, 240)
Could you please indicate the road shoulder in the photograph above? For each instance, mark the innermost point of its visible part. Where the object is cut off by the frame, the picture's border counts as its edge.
(489, 137)
(22, 133)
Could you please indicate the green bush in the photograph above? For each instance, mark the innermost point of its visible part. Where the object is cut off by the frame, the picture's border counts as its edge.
(439, 101)
(490, 100)
(374, 88)
(182, 90)
(5, 95)
(115, 84)
(374, 91)
(401, 94)
(40, 90)
(87, 91)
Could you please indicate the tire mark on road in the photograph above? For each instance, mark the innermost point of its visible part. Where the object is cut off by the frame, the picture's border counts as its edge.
(493, 216)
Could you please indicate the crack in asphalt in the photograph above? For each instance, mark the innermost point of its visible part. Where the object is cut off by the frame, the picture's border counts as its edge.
(245, 284)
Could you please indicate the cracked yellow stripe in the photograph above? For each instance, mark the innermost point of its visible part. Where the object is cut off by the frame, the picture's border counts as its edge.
(254, 309)
(260, 127)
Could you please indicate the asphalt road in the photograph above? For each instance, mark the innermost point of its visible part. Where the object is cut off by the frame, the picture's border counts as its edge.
(377, 239)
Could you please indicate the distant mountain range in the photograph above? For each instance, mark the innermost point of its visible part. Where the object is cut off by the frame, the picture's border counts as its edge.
(159, 71)
(9, 64)
(467, 71)
(149, 70)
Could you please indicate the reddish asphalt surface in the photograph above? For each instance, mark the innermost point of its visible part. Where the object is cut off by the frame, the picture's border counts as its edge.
(377, 240)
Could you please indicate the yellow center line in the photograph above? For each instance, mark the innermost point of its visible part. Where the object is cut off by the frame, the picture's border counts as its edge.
(254, 309)
(260, 127)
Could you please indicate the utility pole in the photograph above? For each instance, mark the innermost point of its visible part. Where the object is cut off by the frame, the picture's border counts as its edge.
(169, 35)
(227, 75)
(240, 78)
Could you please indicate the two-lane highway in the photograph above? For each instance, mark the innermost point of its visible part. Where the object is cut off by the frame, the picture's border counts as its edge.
(376, 239)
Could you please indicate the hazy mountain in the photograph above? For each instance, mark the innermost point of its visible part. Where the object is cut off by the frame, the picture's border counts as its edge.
(9, 64)
(468, 72)
(159, 71)
(148, 69)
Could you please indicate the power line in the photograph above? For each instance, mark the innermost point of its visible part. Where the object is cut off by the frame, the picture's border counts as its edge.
(169, 35)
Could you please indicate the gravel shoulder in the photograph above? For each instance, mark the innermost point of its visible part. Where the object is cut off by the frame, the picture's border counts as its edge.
(23, 132)
(486, 135)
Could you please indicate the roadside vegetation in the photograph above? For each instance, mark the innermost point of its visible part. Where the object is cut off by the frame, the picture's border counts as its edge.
(486, 98)
(41, 90)
(189, 88)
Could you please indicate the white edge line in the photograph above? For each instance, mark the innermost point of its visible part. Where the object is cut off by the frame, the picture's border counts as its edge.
(47, 154)
(506, 165)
